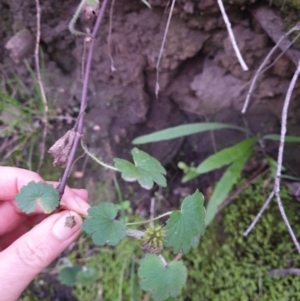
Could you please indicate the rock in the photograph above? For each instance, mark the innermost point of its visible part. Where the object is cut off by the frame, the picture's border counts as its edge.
(216, 89)
(21, 45)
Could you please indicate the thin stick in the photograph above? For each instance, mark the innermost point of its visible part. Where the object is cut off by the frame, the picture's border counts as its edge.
(280, 154)
(83, 105)
(281, 53)
(111, 12)
(162, 47)
(152, 209)
(83, 58)
(259, 70)
(147, 297)
(178, 256)
(40, 83)
(260, 213)
(231, 36)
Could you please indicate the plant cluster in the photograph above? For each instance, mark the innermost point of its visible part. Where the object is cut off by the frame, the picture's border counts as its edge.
(181, 232)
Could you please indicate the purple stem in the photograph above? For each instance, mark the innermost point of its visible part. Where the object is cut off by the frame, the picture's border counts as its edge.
(79, 130)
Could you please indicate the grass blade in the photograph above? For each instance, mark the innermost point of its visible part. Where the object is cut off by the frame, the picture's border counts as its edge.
(224, 186)
(184, 130)
(225, 156)
(276, 137)
(221, 158)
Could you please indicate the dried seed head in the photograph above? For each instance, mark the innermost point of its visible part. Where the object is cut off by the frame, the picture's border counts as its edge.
(61, 149)
(153, 239)
(70, 221)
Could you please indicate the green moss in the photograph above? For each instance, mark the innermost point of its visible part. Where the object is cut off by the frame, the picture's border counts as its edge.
(116, 273)
(289, 4)
(228, 266)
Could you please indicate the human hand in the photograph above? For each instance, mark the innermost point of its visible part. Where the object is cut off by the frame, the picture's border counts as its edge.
(24, 253)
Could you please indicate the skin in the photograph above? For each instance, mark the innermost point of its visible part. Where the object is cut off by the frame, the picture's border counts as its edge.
(29, 243)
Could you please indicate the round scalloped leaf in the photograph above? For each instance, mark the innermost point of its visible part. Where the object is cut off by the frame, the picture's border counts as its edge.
(146, 169)
(67, 275)
(184, 227)
(37, 194)
(87, 276)
(102, 226)
(162, 282)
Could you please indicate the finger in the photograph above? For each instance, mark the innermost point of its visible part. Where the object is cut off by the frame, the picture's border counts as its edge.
(10, 236)
(9, 217)
(33, 252)
(82, 193)
(72, 201)
(12, 179)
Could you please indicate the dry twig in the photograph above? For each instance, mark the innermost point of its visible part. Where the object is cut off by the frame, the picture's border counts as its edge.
(111, 12)
(231, 36)
(280, 154)
(162, 47)
(259, 70)
(83, 105)
(260, 213)
(40, 83)
(276, 189)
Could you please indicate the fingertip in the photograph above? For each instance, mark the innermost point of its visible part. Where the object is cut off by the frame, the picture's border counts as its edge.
(82, 193)
(34, 251)
(67, 225)
(74, 201)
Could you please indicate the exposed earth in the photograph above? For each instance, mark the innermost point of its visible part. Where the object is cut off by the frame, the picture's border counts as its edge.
(200, 79)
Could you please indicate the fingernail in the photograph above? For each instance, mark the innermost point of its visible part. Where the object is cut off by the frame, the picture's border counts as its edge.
(82, 205)
(61, 231)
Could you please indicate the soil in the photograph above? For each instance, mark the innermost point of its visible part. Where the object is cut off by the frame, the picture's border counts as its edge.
(200, 78)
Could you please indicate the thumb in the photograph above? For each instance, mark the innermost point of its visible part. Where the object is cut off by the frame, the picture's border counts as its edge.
(33, 252)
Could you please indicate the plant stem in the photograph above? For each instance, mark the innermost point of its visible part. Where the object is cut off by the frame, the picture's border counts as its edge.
(95, 158)
(79, 129)
(149, 220)
(40, 83)
(137, 234)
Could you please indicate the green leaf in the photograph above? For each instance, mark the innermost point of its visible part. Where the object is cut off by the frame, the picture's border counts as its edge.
(221, 158)
(288, 177)
(161, 281)
(34, 194)
(67, 275)
(184, 130)
(146, 169)
(225, 184)
(184, 227)
(276, 137)
(103, 227)
(87, 276)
